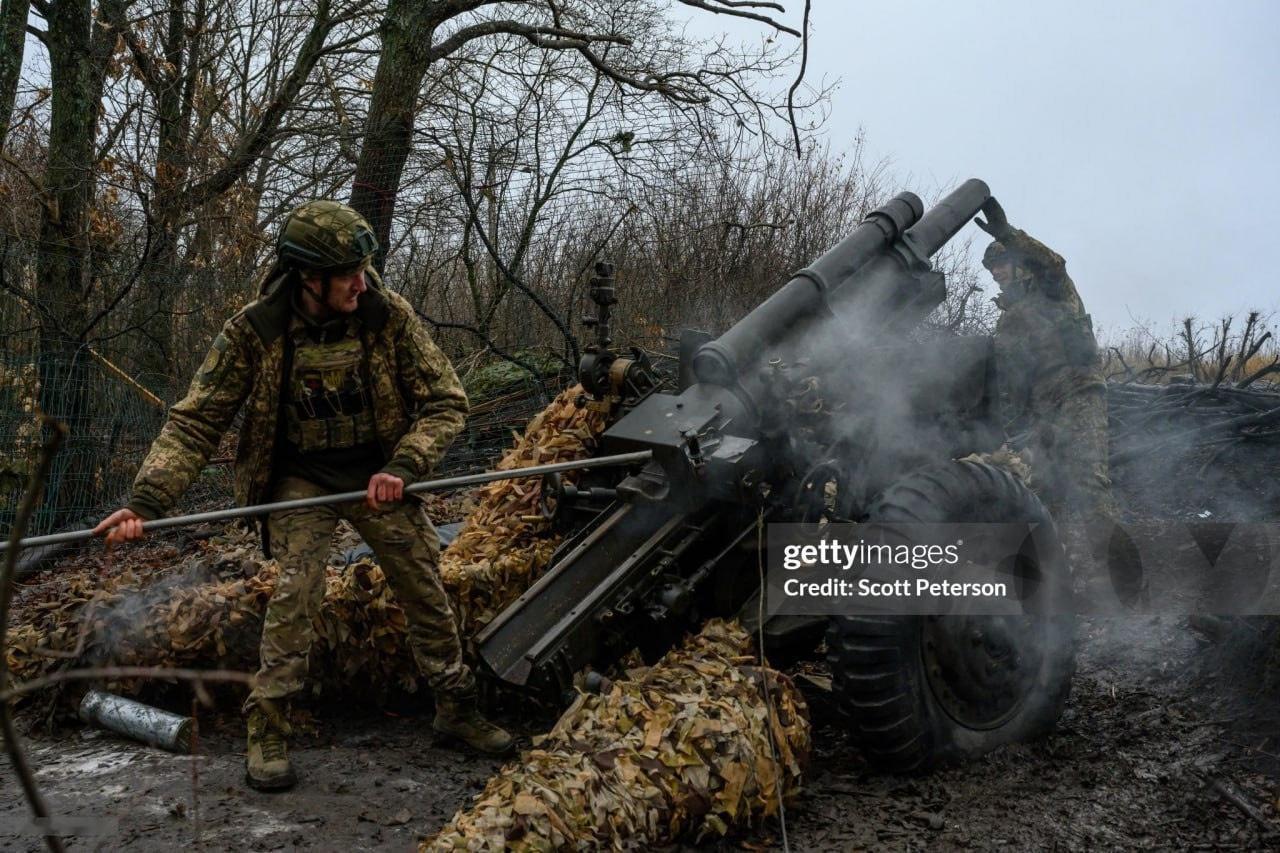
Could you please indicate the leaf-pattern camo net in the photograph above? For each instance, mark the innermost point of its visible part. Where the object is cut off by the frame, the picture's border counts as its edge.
(679, 750)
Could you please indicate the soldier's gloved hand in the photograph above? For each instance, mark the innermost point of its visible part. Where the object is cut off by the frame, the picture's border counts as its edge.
(123, 525)
(383, 487)
(996, 224)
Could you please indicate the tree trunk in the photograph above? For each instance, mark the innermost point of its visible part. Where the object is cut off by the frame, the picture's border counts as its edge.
(13, 42)
(77, 60)
(407, 31)
(162, 279)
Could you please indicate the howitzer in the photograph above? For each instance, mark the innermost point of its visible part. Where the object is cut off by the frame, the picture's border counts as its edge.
(822, 402)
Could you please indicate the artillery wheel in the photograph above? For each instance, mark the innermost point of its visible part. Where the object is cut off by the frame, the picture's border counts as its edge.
(924, 690)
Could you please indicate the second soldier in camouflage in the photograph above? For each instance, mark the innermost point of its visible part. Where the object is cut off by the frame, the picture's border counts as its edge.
(1051, 387)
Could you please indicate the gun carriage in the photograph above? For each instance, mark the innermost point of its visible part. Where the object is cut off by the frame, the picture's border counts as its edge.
(822, 403)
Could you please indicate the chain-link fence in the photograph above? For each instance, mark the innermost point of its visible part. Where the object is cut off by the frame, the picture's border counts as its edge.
(699, 251)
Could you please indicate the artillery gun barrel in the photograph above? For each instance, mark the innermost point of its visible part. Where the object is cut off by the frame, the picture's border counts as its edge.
(720, 361)
(947, 217)
(897, 237)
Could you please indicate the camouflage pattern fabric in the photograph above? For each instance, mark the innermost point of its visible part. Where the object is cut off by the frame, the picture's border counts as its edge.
(19, 423)
(418, 403)
(408, 551)
(1051, 382)
(329, 403)
(326, 235)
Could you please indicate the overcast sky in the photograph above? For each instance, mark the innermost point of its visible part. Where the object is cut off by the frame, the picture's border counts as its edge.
(1138, 139)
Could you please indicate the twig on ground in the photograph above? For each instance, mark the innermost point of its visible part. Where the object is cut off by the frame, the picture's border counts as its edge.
(88, 673)
(55, 434)
(1232, 795)
(1273, 367)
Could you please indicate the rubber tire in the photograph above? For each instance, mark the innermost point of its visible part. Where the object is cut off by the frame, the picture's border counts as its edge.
(877, 665)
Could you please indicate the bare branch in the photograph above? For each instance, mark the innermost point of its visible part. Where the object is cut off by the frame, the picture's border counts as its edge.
(255, 142)
(488, 342)
(49, 204)
(659, 83)
(113, 135)
(152, 76)
(1273, 367)
(804, 61)
(733, 8)
(563, 39)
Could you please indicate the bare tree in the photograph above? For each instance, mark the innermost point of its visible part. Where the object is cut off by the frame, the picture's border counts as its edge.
(606, 35)
(200, 153)
(144, 178)
(13, 43)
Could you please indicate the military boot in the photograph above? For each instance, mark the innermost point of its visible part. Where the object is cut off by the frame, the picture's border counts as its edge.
(267, 759)
(457, 717)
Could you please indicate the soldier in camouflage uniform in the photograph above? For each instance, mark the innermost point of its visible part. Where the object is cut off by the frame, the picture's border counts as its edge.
(1050, 374)
(1052, 390)
(341, 390)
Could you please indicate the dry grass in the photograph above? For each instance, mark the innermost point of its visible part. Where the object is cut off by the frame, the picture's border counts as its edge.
(1227, 352)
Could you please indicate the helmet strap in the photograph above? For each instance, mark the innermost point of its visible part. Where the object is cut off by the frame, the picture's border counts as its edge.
(326, 285)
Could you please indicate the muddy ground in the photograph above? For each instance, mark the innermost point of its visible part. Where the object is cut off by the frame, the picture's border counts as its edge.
(1168, 723)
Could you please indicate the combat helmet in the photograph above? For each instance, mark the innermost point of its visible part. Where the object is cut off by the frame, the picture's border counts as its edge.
(327, 236)
(995, 253)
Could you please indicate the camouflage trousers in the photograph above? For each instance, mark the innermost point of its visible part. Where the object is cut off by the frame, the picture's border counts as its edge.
(1070, 474)
(1070, 469)
(408, 550)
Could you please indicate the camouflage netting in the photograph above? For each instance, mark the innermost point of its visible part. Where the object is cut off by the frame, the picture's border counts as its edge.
(679, 750)
(361, 630)
(208, 611)
(504, 546)
(1016, 462)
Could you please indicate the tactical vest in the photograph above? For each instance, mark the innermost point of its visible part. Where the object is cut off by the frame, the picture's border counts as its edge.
(330, 406)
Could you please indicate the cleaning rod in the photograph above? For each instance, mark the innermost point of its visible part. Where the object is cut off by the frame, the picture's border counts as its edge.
(345, 497)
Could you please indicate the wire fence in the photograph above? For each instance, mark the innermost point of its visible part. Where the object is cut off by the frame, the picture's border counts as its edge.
(696, 251)
(115, 419)
(696, 244)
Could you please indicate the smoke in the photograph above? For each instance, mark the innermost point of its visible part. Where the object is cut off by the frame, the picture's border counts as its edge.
(895, 394)
(116, 621)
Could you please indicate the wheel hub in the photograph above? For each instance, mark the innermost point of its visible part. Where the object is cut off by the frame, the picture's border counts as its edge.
(981, 668)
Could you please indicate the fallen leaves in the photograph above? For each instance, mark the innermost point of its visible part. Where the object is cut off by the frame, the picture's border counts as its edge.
(681, 749)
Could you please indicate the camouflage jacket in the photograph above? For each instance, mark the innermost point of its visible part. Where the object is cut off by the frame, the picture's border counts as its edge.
(1045, 348)
(419, 404)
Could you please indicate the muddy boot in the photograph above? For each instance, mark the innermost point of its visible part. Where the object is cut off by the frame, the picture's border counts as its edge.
(267, 759)
(457, 717)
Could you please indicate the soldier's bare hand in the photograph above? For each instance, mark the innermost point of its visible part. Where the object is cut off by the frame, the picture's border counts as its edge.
(123, 525)
(383, 488)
